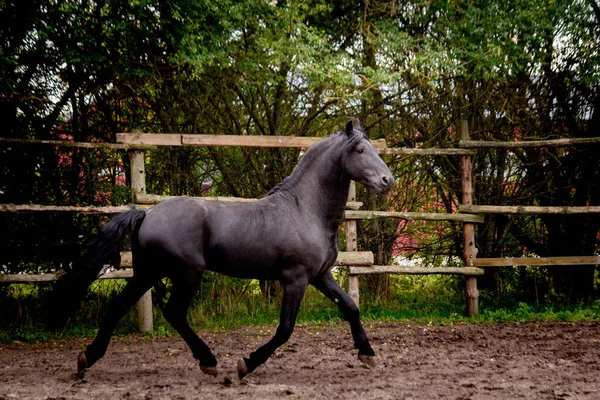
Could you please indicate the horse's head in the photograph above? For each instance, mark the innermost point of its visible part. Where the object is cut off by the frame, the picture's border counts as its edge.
(362, 163)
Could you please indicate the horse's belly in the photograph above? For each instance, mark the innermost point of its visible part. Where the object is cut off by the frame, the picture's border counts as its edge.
(244, 263)
(244, 272)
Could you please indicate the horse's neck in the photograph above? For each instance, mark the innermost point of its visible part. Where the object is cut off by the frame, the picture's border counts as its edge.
(323, 190)
(336, 204)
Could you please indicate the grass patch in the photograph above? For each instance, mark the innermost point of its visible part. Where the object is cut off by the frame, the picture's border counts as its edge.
(225, 303)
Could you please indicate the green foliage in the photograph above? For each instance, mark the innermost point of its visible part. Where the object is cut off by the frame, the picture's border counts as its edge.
(226, 303)
(515, 70)
(527, 313)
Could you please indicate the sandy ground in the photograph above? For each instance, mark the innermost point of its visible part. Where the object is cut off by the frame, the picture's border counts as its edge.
(495, 361)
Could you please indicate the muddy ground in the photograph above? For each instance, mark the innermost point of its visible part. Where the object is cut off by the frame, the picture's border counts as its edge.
(496, 361)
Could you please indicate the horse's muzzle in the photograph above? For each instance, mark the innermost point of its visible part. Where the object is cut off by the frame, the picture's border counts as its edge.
(385, 184)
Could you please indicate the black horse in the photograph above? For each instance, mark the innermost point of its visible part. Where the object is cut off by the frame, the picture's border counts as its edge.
(290, 235)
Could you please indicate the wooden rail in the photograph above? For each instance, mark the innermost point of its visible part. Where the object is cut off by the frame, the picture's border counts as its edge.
(535, 261)
(148, 199)
(527, 143)
(177, 139)
(149, 141)
(488, 209)
(26, 208)
(85, 145)
(414, 216)
(37, 278)
(425, 151)
(345, 258)
(144, 201)
(360, 263)
(399, 270)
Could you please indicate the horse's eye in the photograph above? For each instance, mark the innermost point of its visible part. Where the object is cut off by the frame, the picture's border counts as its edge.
(360, 151)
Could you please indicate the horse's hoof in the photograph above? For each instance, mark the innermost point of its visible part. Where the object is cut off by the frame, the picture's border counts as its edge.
(81, 365)
(242, 369)
(212, 371)
(368, 360)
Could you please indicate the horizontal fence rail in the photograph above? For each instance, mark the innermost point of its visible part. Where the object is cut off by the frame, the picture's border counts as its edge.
(489, 209)
(527, 143)
(400, 270)
(176, 139)
(85, 145)
(535, 261)
(425, 151)
(149, 199)
(28, 208)
(344, 259)
(143, 201)
(38, 278)
(413, 216)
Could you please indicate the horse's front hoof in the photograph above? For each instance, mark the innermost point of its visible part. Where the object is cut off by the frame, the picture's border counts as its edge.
(368, 360)
(242, 369)
(212, 371)
(81, 365)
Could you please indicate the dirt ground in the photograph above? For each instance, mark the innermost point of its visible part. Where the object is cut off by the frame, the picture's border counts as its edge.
(495, 361)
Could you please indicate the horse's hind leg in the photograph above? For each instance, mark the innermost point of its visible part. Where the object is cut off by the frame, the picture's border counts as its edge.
(327, 285)
(175, 313)
(292, 296)
(136, 287)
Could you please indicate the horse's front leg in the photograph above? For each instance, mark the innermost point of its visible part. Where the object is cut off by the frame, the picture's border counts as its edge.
(292, 296)
(327, 285)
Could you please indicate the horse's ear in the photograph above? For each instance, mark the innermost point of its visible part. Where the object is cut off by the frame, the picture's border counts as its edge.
(349, 128)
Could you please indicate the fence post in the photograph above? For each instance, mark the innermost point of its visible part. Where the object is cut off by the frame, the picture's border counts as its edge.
(351, 245)
(138, 186)
(470, 250)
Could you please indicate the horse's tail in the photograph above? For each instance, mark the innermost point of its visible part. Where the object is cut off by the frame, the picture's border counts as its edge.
(103, 249)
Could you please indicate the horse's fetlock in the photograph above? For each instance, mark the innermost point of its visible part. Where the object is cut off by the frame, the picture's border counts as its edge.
(367, 351)
(284, 333)
(207, 360)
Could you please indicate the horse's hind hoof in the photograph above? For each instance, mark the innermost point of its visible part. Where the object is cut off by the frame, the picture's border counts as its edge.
(368, 360)
(212, 371)
(81, 365)
(242, 369)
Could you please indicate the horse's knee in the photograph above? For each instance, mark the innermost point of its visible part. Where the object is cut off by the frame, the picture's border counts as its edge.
(351, 311)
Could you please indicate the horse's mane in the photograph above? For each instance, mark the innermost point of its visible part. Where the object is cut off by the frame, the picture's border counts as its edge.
(315, 152)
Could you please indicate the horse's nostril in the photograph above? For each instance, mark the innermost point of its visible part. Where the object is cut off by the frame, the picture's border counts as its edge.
(387, 180)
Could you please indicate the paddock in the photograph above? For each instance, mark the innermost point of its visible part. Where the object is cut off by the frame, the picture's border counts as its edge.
(414, 361)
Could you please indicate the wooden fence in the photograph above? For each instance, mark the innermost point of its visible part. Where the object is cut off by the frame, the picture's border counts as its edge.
(357, 262)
